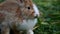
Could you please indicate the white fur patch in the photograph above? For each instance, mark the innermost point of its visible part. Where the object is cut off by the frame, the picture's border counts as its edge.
(30, 32)
(36, 9)
(27, 24)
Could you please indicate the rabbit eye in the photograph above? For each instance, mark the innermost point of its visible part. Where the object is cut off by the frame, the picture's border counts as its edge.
(28, 7)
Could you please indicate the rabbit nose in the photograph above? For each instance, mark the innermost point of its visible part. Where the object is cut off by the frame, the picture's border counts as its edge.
(36, 16)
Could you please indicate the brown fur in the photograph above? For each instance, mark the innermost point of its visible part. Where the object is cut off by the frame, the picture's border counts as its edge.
(14, 11)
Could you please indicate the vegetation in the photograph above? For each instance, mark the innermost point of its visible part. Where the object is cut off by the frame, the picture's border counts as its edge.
(49, 21)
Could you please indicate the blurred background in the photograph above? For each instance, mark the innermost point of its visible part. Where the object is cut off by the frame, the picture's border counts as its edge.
(49, 21)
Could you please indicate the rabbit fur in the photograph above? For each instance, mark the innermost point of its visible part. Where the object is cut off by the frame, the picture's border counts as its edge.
(18, 15)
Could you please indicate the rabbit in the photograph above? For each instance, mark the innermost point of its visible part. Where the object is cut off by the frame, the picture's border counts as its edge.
(18, 15)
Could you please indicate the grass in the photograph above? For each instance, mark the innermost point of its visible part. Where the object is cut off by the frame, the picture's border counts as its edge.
(50, 16)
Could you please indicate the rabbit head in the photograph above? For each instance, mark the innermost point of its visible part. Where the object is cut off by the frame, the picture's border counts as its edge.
(27, 9)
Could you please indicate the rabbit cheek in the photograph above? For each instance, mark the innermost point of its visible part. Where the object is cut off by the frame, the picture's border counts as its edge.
(31, 13)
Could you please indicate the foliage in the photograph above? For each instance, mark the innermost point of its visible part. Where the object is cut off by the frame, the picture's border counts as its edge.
(1, 1)
(50, 20)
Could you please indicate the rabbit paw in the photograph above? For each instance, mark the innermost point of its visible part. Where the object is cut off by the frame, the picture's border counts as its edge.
(30, 32)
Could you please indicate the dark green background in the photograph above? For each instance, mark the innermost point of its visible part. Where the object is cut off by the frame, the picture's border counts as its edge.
(49, 22)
